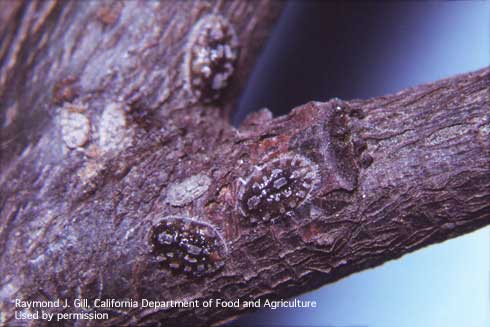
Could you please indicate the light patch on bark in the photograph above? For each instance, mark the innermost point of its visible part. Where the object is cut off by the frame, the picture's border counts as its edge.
(445, 134)
(75, 127)
(90, 170)
(188, 190)
(114, 132)
(10, 115)
(7, 293)
(484, 132)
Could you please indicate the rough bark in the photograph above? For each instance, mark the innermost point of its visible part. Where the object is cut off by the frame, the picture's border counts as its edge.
(385, 176)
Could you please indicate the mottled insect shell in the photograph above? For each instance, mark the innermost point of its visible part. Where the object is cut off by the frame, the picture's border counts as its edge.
(187, 246)
(210, 58)
(275, 189)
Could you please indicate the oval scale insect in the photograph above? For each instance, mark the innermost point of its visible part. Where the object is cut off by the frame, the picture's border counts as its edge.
(187, 246)
(211, 56)
(277, 188)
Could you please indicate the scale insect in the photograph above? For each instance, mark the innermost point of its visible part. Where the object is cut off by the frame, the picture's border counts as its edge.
(210, 58)
(187, 246)
(275, 189)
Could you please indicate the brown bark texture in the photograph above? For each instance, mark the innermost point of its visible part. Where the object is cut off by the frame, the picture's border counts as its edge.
(121, 177)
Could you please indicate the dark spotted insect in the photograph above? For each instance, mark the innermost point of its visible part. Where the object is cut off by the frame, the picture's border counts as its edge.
(276, 189)
(187, 246)
(210, 58)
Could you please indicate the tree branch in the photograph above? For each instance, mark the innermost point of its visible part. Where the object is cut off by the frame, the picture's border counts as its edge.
(150, 203)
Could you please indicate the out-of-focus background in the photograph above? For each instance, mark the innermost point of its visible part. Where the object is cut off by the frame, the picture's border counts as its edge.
(321, 50)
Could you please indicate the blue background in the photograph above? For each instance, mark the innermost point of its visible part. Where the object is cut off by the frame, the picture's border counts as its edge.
(320, 50)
